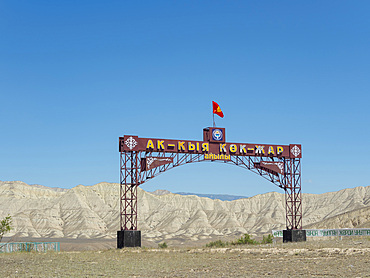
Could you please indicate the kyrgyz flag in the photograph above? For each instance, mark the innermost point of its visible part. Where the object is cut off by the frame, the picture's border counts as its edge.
(217, 110)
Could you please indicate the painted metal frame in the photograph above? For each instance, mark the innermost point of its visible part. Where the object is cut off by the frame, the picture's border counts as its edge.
(131, 176)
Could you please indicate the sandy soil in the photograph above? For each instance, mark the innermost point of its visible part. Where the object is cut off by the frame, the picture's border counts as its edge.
(347, 258)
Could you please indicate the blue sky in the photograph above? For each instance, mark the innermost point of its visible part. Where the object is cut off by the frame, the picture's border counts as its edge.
(76, 75)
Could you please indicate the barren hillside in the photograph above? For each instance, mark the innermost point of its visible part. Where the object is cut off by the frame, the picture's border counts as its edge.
(358, 218)
(92, 212)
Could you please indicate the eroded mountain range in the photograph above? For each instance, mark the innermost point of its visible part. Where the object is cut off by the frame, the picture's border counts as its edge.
(93, 212)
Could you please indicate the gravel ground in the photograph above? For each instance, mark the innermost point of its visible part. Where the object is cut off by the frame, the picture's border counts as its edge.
(349, 258)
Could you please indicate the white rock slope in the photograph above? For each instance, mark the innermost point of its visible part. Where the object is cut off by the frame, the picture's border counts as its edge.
(93, 212)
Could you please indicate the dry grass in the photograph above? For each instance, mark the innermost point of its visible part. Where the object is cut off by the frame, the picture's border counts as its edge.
(322, 258)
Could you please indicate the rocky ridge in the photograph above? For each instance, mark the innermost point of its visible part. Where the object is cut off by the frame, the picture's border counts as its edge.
(93, 212)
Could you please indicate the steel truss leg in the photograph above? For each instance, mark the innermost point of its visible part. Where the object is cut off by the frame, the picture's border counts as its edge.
(128, 190)
(293, 194)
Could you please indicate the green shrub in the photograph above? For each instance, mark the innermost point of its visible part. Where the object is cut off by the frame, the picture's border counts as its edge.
(162, 245)
(245, 240)
(5, 226)
(268, 239)
(217, 243)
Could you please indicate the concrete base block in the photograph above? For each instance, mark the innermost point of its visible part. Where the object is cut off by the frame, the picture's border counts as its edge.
(128, 239)
(294, 235)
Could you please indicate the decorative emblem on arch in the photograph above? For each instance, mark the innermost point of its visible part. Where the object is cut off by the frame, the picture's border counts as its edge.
(295, 151)
(131, 143)
(217, 135)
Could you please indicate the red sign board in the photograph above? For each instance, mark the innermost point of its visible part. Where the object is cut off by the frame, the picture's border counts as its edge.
(209, 146)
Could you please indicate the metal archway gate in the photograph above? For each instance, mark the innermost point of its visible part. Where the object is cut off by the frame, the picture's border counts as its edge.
(142, 159)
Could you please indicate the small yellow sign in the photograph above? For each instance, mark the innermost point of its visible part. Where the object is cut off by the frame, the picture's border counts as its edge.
(212, 156)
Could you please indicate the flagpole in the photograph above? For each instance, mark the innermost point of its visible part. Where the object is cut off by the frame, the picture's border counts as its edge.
(213, 116)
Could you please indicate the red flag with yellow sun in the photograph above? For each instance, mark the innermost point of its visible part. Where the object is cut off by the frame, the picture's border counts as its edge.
(217, 109)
